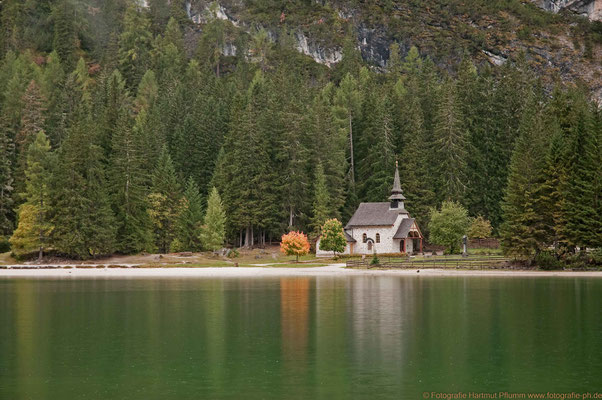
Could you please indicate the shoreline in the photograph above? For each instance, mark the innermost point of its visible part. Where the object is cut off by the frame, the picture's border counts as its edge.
(260, 272)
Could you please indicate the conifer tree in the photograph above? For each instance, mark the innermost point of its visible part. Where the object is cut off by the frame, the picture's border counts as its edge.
(32, 233)
(190, 218)
(213, 231)
(6, 184)
(114, 104)
(52, 90)
(212, 41)
(168, 52)
(584, 187)
(450, 147)
(379, 159)
(84, 224)
(550, 197)
(32, 122)
(128, 178)
(147, 125)
(522, 232)
(347, 105)
(164, 201)
(414, 171)
(65, 41)
(322, 206)
(134, 44)
(327, 146)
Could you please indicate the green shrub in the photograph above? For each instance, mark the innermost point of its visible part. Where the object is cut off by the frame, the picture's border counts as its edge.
(548, 261)
(4, 244)
(375, 260)
(234, 253)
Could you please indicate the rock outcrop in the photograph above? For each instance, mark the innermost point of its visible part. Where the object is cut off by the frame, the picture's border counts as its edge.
(588, 8)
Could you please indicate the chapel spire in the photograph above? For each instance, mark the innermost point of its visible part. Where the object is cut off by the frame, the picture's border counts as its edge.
(397, 196)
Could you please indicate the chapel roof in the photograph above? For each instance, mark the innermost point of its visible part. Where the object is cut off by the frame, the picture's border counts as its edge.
(404, 228)
(374, 214)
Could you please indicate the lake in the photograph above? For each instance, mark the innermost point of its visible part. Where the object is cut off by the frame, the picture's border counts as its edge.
(360, 337)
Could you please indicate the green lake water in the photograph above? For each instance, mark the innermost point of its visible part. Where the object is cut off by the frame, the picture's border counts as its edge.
(363, 337)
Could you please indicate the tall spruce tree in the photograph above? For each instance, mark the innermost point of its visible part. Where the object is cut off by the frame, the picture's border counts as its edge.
(127, 179)
(322, 206)
(32, 233)
(84, 225)
(213, 231)
(584, 188)
(450, 147)
(163, 202)
(135, 44)
(65, 41)
(522, 232)
(6, 184)
(190, 218)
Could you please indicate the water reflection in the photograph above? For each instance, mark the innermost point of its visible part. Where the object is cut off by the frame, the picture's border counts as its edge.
(297, 338)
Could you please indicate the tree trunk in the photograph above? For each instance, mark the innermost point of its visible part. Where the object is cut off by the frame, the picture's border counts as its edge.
(290, 217)
(247, 236)
(252, 237)
(351, 150)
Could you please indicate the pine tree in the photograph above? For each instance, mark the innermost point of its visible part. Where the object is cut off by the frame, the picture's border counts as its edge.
(113, 106)
(377, 140)
(84, 225)
(244, 174)
(52, 89)
(322, 206)
(327, 146)
(163, 202)
(65, 41)
(168, 52)
(584, 184)
(127, 179)
(134, 45)
(6, 184)
(347, 105)
(450, 147)
(550, 197)
(147, 126)
(213, 231)
(190, 218)
(32, 233)
(32, 122)
(522, 232)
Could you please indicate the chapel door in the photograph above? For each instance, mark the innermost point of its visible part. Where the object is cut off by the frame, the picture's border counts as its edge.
(402, 246)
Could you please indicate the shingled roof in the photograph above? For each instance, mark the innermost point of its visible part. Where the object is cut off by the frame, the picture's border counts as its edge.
(404, 228)
(349, 238)
(374, 214)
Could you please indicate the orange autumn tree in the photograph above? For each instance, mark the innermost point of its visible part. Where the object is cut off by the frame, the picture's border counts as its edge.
(294, 244)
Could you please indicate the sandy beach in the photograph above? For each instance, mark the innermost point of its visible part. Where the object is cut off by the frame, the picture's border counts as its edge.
(249, 272)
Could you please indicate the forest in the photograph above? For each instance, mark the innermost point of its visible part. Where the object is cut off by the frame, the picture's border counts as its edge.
(118, 136)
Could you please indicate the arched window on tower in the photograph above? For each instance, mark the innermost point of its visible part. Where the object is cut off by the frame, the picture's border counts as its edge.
(364, 238)
(378, 238)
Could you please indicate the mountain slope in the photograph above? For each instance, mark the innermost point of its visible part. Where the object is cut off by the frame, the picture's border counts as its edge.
(564, 47)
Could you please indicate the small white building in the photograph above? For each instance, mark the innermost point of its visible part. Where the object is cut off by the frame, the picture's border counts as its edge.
(381, 228)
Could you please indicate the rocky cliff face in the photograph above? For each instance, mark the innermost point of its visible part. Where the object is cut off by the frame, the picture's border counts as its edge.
(588, 8)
